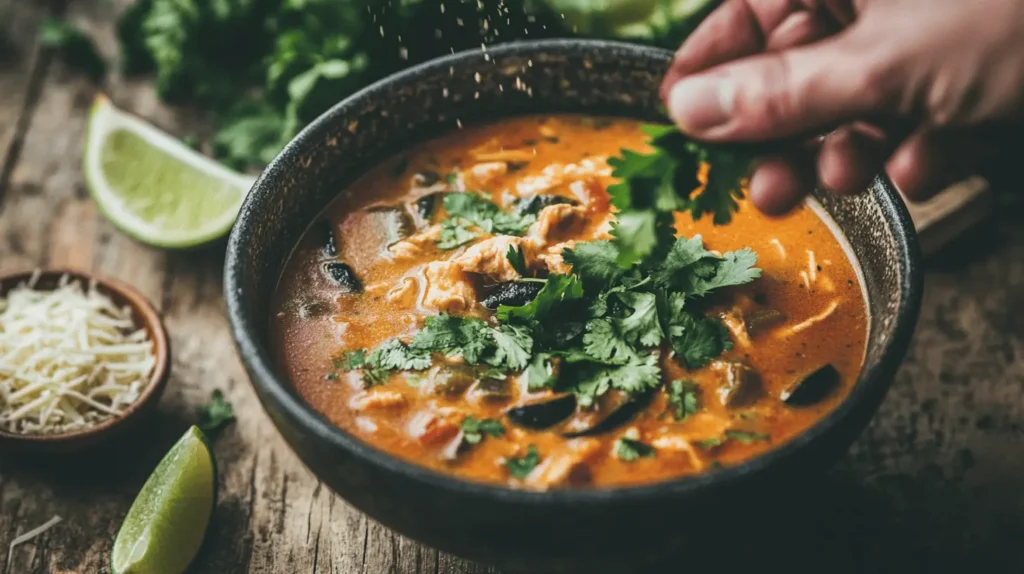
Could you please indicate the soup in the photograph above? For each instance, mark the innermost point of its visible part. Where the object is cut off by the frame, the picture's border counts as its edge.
(457, 308)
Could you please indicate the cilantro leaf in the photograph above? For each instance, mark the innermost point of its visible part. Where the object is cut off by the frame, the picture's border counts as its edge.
(628, 449)
(215, 414)
(654, 185)
(351, 360)
(516, 259)
(603, 342)
(395, 355)
(512, 347)
(641, 327)
(522, 467)
(73, 46)
(698, 340)
(557, 290)
(595, 262)
(506, 346)
(455, 233)
(709, 443)
(734, 268)
(540, 373)
(747, 437)
(638, 375)
(684, 399)
(485, 214)
(474, 429)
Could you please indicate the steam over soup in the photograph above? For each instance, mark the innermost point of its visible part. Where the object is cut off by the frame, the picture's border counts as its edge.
(462, 308)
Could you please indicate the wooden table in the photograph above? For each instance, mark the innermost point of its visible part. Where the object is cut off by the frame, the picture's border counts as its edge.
(936, 484)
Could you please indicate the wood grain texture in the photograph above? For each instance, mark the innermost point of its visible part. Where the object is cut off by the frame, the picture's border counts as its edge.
(933, 486)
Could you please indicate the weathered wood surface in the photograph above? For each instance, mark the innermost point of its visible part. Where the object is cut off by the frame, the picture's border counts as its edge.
(935, 485)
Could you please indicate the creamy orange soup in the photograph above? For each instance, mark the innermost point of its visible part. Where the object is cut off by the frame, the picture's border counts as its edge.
(372, 270)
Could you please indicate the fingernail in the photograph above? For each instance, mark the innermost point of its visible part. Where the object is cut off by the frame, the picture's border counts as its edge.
(700, 103)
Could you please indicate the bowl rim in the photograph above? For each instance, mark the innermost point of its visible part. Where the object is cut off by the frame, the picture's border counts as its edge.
(149, 319)
(872, 382)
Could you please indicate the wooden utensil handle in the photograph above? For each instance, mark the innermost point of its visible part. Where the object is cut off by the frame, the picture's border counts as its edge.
(951, 213)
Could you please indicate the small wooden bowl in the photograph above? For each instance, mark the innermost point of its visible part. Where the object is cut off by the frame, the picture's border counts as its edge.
(144, 316)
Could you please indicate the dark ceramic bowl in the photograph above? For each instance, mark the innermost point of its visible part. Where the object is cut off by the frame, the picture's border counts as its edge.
(619, 528)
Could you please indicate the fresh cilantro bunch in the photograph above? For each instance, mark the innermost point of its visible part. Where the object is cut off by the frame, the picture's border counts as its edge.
(655, 185)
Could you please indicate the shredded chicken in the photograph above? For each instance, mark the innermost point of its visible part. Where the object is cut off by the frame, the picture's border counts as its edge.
(733, 320)
(446, 288)
(489, 257)
(482, 174)
(811, 321)
(413, 246)
(557, 175)
(433, 428)
(567, 465)
(378, 398)
(404, 291)
(555, 223)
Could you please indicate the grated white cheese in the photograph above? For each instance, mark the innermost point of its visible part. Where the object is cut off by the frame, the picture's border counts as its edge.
(69, 359)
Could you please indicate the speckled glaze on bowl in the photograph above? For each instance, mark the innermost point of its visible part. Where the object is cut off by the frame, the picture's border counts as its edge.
(624, 529)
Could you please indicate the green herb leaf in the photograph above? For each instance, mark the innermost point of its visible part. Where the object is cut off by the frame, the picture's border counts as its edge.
(455, 233)
(506, 346)
(517, 259)
(595, 262)
(540, 373)
(603, 342)
(474, 429)
(684, 399)
(215, 414)
(485, 214)
(710, 443)
(76, 49)
(696, 340)
(395, 355)
(522, 467)
(558, 289)
(747, 437)
(628, 450)
(351, 360)
(638, 375)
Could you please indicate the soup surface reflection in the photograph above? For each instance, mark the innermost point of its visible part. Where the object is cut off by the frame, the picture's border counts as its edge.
(387, 256)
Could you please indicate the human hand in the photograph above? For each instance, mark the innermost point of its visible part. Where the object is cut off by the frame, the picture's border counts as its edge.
(921, 87)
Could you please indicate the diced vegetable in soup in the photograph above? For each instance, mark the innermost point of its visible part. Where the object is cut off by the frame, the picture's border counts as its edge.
(462, 307)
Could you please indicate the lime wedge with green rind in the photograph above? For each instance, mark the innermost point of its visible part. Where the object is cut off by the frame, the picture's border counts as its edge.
(152, 186)
(167, 522)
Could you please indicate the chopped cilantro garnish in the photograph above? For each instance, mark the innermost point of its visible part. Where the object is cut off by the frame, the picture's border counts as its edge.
(522, 467)
(539, 374)
(628, 449)
(591, 380)
(215, 414)
(709, 443)
(747, 437)
(696, 339)
(455, 233)
(396, 356)
(684, 399)
(351, 360)
(506, 346)
(485, 214)
(557, 289)
(516, 259)
(474, 429)
(654, 185)
(595, 263)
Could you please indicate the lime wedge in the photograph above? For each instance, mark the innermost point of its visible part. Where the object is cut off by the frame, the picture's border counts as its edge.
(152, 186)
(166, 524)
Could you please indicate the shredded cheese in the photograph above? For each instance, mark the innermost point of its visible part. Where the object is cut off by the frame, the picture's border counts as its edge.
(69, 359)
(30, 535)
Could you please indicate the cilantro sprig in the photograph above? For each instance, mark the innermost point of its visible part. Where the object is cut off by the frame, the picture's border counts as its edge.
(475, 429)
(521, 467)
(655, 185)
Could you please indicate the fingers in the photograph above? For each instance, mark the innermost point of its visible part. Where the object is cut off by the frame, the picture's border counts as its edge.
(737, 29)
(849, 159)
(781, 94)
(779, 183)
(928, 162)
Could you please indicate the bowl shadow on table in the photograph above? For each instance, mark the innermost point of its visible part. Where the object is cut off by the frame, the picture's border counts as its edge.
(113, 466)
(840, 522)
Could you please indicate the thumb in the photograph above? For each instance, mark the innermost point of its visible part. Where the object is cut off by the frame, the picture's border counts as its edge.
(781, 94)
